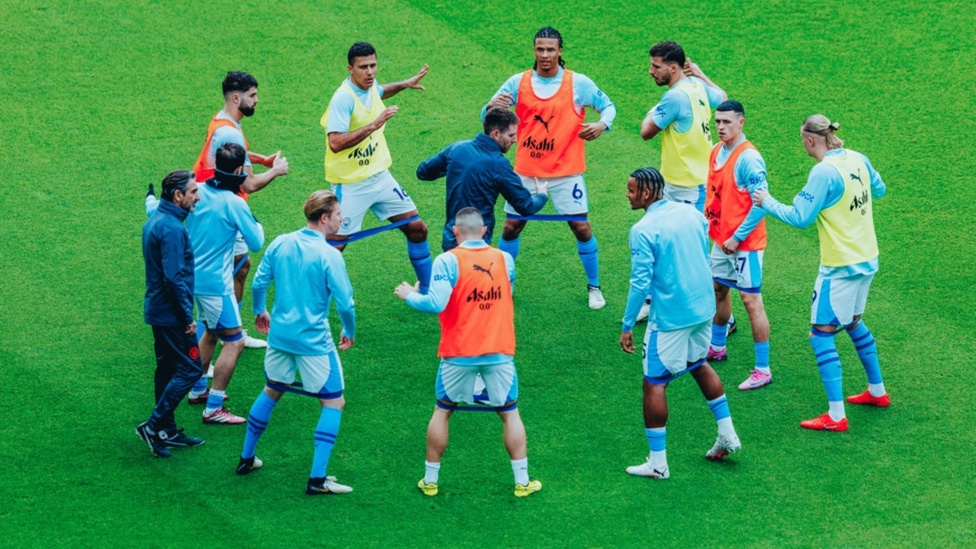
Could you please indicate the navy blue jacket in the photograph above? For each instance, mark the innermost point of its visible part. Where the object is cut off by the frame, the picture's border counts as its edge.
(477, 172)
(169, 267)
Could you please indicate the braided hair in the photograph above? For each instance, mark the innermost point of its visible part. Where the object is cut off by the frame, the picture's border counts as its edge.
(549, 32)
(649, 179)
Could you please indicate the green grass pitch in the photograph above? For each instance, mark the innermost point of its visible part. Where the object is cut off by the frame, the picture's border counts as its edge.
(97, 99)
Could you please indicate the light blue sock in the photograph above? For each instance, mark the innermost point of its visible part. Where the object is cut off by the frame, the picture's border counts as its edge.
(719, 407)
(762, 356)
(591, 260)
(510, 246)
(720, 333)
(325, 438)
(867, 351)
(257, 421)
(419, 254)
(828, 362)
(656, 438)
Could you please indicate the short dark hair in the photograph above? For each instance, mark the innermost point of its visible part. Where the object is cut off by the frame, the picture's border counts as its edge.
(238, 81)
(176, 181)
(360, 49)
(649, 179)
(669, 52)
(549, 32)
(731, 105)
(229, 157)
(499, 118)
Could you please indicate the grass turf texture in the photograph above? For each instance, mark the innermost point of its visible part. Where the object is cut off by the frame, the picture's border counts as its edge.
(100, 99)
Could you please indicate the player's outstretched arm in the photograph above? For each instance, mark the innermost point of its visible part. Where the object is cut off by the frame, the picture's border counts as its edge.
(257, 181)
(389, 90)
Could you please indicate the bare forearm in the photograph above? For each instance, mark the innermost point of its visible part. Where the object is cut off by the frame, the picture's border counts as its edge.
(340, 141)
(648, 128)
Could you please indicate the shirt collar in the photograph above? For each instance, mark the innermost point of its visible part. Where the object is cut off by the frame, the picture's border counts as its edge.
(172, 209)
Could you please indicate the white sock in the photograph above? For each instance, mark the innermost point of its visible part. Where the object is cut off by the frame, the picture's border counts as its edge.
(716, 348)
(521, 469)
(837, 410)
(765, 370)
(658, 460)
(876, 389)
(725, 428)
(432, 472)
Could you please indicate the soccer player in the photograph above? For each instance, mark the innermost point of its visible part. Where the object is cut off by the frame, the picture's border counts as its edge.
(214, 227)
(669, 256)
(240, 99)
(839, 197)
(738, 233)
(477, 172)
(308, 274)
(357, 159)
(477, 337)
(551, 103)
(683, 115)
(168, 308)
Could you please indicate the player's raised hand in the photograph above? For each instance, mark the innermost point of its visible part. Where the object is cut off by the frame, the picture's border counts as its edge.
(345, 342)
(403, 290)
(414, 81)
(263, 322)
(503, 100)
(152, 191)
(592, 130)
(280, 164)
(692, 69)
(627, 342)
(384, 116)
(270, 160)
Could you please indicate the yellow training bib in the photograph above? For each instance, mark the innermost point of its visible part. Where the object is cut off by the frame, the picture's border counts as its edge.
(684, 156)
(847, 228)
(369, 156)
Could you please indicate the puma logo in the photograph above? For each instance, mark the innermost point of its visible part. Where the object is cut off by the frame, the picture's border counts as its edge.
(857, 177)
(484, 270)
(545, 123)
(700, 102)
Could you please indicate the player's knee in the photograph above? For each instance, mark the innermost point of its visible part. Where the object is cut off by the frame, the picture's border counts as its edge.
(416, 231)
(337, 403)
(582, 230)
(512, 229)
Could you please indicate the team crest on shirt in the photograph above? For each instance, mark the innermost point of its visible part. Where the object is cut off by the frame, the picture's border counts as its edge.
(346, 222)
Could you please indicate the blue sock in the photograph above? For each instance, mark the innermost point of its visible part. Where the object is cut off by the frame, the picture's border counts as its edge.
(325, 438)
(419, 254)
(867, 351)
(719, 334)
(200, 386)
(510, 246)
(656, 438)
(591, 261)
(828, 362)
(719, 407)
(762, 356)
(257, 421)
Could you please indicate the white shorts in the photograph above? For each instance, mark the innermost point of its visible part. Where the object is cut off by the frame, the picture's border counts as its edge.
(688, 195)
(836, 301)
(567, 194)
(741, 270)
(379, 193)
(240, 247)
(673, 353)
(455, 383)
(320, 375)
(218, 312)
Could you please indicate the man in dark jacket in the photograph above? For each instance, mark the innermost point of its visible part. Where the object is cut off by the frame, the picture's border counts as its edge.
(477, 172)
(169, 310)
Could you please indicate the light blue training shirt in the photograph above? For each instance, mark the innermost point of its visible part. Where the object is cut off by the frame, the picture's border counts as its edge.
(307, 273)
(214, 223)
(669, 262)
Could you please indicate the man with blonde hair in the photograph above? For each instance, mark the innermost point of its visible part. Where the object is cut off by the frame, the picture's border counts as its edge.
(839, 197)
(308, 274)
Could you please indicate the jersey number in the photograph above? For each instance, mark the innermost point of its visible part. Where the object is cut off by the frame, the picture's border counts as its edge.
(740, 264)
(402, 194)
(577, 192)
